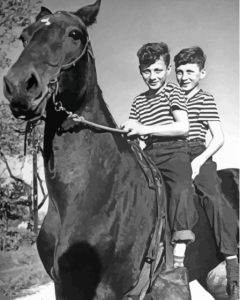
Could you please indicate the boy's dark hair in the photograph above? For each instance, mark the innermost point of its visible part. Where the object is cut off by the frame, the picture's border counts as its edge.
(193, 55)
(149, 53)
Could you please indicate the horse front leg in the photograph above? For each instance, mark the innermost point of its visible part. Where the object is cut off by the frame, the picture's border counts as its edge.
(46, 239)
(59, 292)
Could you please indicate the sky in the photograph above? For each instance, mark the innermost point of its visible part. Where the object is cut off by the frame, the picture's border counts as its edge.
(123, 26)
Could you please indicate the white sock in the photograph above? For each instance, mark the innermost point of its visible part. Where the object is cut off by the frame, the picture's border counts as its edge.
(179, 249)
(231, 257)
(179, 254)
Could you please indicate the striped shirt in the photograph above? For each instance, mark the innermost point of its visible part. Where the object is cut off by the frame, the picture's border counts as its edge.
(201, 109)
(151, 109)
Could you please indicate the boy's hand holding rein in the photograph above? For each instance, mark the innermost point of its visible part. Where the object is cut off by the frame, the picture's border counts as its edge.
(134, 127)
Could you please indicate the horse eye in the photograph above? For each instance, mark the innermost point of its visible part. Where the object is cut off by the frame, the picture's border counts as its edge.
(76, 35)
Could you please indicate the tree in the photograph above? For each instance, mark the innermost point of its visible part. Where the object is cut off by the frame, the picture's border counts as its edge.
(16, 136)
(14, 15)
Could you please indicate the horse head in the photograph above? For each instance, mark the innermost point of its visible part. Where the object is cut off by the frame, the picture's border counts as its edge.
(53, 44)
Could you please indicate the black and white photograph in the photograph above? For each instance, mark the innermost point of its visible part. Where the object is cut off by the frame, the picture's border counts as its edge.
(119, 152)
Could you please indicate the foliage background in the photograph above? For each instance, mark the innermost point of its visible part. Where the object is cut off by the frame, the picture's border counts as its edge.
(22, 268)
(14, 15)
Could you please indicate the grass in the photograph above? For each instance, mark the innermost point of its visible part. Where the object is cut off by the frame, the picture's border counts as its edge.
(20, 270)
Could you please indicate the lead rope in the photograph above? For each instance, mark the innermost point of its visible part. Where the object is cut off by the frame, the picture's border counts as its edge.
(80, 119)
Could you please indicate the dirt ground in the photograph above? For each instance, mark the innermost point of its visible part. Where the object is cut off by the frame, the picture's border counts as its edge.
(42, 292)
(22, 277)
(46, 292)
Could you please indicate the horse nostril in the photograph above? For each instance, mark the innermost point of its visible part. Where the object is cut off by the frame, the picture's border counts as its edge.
(14, 105)
(31, 83)
(7, 87)
(19, 105)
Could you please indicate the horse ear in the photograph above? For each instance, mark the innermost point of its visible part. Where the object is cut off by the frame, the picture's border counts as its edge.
(44, 12)
(89, 13)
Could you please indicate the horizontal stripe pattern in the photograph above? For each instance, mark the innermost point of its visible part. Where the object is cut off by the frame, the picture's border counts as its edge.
(152, 109)
(201, 109)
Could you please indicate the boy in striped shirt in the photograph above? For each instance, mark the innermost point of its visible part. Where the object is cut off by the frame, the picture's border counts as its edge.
(160, 115)
(203, 116)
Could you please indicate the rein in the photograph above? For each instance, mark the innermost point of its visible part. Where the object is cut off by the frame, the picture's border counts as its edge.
(81, 119)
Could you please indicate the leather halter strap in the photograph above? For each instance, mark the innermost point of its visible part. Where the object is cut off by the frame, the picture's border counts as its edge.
(73, 63)
(53, 87)
(53, 84)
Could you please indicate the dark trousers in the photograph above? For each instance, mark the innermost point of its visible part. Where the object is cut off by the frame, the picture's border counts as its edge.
(173, 161)
(221, 215)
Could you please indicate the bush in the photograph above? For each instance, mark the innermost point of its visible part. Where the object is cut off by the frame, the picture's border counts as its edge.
(13, 238)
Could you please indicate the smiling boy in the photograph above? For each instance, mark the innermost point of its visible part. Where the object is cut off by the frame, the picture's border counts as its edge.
(203, 116)
(160, 115)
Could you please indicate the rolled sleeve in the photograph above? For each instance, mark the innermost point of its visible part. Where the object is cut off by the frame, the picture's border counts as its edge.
(209, 110)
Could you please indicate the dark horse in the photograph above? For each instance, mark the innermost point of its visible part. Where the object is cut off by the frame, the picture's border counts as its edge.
(101, 213)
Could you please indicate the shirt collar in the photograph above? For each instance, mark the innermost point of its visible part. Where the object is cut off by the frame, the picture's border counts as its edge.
(161, 89)
(194, 92)
(151, 93)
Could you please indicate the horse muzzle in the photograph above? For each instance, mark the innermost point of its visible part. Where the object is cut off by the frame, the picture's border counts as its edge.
(27, 100)
(24, 92)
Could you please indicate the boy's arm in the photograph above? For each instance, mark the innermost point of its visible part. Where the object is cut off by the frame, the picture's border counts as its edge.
(214, 145)
(179, 127)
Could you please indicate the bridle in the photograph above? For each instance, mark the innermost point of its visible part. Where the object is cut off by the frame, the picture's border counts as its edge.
(52, 91)
(53, 88)
(53, 84)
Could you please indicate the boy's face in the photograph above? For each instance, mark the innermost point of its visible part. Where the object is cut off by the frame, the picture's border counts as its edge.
(156, 74)
(189, 76)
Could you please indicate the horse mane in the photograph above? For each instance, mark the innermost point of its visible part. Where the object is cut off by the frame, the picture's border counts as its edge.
(105, 108)
(122, 142)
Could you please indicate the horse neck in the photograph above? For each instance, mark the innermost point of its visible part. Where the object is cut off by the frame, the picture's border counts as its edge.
(88, 94)
(80, 150)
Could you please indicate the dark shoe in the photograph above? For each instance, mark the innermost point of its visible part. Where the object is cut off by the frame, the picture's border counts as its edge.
(232, 268)
(171, 285)
(233, 291)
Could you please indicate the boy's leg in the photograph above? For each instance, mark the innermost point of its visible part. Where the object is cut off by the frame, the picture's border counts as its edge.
(222, 218)
(181, 209)
(221, 215)
(182, 212)
(174, 163)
